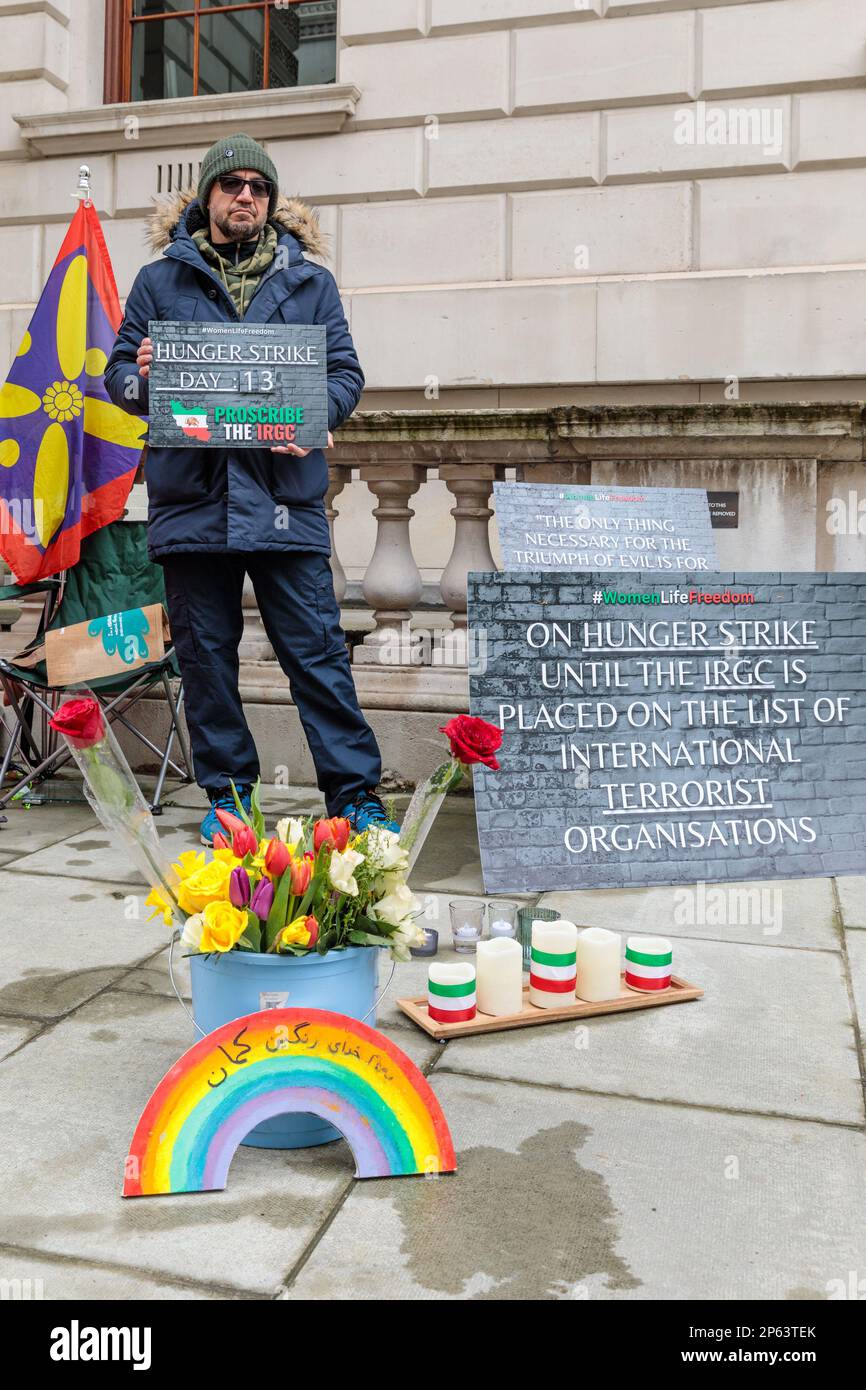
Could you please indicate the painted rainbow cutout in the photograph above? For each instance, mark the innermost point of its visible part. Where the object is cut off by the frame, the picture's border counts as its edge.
(280, 1061)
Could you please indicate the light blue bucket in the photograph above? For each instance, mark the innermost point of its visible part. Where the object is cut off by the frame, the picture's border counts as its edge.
(235, 983)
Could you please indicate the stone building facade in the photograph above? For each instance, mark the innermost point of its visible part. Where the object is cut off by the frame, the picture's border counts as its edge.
(651, 211)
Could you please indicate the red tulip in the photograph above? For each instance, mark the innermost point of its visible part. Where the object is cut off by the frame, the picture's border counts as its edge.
(302, 872)
(230, 822)
(244, 841)
(313, 928)
(220, 841)
(277, 858)
(334, 832)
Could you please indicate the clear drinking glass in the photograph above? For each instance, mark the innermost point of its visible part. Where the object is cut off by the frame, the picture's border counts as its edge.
(502, 916)
(467, 923)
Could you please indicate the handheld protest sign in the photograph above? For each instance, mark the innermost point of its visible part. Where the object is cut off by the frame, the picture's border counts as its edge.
(238, 385)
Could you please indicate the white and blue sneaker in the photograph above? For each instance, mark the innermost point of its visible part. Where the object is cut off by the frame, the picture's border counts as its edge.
(367, 809)
(221, 799)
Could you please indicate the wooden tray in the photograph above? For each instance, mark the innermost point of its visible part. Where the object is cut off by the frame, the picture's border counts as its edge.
(679, 992)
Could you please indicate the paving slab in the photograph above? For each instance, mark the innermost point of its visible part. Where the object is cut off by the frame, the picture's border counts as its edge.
(63, 941)
(86, 1083)
(778, 912)
(450, 862)
(593, 1197)
(31, 1277)
(773, 1034)
(852, 900)
(40, 826)
(15, 1031)
(857, 961)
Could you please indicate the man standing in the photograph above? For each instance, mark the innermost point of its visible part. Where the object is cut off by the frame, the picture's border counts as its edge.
(215, 515)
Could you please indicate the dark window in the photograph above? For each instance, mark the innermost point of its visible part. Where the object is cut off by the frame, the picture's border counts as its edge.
(157, 49)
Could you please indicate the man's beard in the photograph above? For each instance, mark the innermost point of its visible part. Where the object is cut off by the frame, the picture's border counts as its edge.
(246, 229)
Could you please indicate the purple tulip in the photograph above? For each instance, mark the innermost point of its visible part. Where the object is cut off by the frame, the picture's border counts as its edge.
(262, 899)
(239, 887)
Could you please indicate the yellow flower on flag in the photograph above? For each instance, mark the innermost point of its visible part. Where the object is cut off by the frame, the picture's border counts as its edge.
(63, 401)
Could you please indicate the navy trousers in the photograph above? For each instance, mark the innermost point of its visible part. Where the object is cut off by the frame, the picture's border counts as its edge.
(295, 593)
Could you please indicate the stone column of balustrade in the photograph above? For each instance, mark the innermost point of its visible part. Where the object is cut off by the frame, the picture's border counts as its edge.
(472, 486)
(392, 584)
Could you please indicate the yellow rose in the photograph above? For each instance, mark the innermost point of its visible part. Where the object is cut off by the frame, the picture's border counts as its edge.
(208, 884)
(222, 927)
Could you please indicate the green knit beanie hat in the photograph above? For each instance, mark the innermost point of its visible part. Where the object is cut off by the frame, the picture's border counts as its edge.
(231, 153)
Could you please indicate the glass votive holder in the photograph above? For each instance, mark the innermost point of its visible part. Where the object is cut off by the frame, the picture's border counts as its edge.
(431, 944)
(467, 923)
(502, 916)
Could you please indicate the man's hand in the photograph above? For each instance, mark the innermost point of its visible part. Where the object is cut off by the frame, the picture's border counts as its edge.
(145, 356)
(294, 448)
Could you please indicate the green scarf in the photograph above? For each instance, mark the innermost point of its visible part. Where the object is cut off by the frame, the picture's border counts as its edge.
(241, 280)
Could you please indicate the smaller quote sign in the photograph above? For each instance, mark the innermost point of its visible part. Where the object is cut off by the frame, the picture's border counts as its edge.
(238, 386)
(545, 526)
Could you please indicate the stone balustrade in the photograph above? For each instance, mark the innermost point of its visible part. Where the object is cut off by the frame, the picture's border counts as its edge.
(787, 463)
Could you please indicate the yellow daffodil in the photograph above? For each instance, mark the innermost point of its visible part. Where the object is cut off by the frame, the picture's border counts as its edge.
(222, 926)
(161, 905)
(189, 861)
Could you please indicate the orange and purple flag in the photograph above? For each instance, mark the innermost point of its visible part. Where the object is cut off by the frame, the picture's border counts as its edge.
(68, 456)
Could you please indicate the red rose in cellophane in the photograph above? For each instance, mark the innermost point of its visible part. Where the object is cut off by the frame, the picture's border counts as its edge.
(81, 721)
(473, 740)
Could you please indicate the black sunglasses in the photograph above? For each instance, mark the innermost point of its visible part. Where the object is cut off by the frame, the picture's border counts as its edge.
(233, 184)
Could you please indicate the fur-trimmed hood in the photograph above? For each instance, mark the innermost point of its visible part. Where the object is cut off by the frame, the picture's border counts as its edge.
(290, 215)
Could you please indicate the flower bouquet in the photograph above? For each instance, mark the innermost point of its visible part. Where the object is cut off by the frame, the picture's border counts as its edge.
(311, 886)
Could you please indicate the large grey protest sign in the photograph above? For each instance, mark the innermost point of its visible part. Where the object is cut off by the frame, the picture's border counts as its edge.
(238, 385)
(543, 526)
(668, 732)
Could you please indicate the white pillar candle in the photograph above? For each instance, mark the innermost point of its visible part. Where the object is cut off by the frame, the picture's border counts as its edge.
(598, 964)
(648, 963)
(553, 964)
(451, 992)
(500, 976)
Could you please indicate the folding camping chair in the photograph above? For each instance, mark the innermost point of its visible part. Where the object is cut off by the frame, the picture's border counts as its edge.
(113, 575)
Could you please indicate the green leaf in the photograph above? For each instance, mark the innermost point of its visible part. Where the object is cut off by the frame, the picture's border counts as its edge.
(240, 807)
(258, 816)
(277, 915)
(364, 938)
(252, 933)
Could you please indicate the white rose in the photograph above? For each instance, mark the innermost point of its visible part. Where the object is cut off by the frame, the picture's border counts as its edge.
(192, 931)
(396, 906)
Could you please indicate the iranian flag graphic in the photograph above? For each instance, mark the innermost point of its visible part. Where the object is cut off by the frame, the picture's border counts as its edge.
(192, 420)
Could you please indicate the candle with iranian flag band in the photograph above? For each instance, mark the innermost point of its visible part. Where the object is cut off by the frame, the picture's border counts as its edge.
(451, 993)
(552, 964)
(648, 962)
